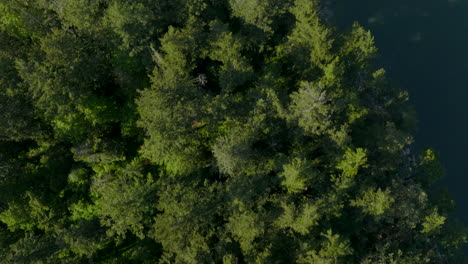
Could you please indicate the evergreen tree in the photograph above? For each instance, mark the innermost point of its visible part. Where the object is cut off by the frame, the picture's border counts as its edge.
(203, 131)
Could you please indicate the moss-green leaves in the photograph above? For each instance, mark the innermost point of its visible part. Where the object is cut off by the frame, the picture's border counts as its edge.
(433, 222)
(350, 164)
(374, 202)
(296, 175)
(312, 109)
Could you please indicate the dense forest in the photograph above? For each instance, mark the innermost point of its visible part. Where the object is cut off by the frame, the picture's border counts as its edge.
(208, 131)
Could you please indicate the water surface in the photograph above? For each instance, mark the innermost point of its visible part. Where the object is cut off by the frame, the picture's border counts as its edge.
(424, 48)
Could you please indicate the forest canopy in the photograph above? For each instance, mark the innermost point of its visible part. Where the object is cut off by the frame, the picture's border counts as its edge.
(208, 131)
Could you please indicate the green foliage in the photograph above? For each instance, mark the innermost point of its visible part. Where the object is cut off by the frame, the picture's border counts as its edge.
(27, 214)
(124, 200)
(67, 83)
(429, 169)
(311, 108)
(350, 164)
(137, 23)
(82, 14)
(374, 202)
(310, 42)
(185, 225)
(259, 13)
(171, 107)
(31, 249)
(360, 45)
(17, 217)
(245, 227)
(432, 222)
(333, 248)
(24, 18)
(83, 239)
(300, 220)
(203, 131)
(227, 48)
(19, 121)
(296, 175)
(235, 153)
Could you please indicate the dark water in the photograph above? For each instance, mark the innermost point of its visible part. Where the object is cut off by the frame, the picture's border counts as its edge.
(424, 47)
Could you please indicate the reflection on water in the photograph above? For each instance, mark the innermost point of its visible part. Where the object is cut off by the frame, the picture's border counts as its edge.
(376, 19)
(418, 36)
(424, 46)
